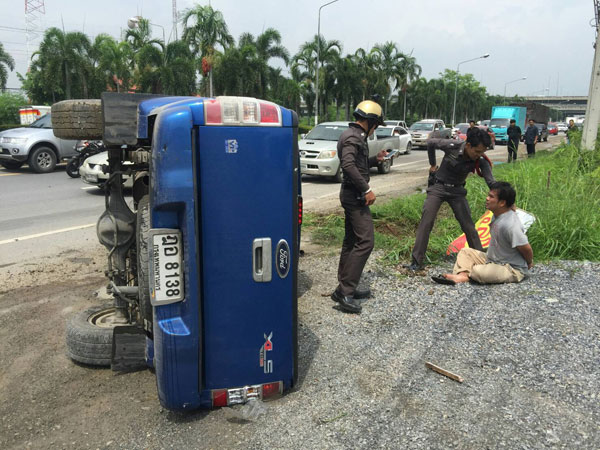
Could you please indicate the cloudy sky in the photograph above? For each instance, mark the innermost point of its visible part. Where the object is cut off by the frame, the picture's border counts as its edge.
(547, 41)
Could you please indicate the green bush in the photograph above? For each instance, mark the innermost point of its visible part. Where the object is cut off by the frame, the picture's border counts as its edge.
(9, 126)
(9, 108)
(303, 128)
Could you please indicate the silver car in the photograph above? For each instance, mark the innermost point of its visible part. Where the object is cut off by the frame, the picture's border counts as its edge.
(35, 145)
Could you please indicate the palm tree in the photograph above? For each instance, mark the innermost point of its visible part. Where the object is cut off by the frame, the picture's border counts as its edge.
(66, 56)
(6, 62)
(178, 72)
(367, 63)
(410, 71)
(114, 61)
(389, 58)
(207, 30)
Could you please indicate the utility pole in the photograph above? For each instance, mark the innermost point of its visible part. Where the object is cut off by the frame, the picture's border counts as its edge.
(592, 111)
(175, 17)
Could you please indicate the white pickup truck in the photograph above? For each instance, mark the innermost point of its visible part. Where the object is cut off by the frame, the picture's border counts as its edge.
(318, 149)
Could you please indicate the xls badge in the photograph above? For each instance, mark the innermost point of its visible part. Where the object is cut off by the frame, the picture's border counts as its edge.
(265, 363)
(282, 255)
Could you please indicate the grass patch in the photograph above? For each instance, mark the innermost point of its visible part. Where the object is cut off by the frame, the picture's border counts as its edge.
(561, 188)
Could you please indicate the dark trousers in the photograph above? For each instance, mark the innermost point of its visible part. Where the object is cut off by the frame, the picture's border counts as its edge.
(530, 150)
(359, 240)
(456, 198)
(513, 147)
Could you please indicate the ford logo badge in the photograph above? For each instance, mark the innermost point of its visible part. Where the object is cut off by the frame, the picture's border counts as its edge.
(282, 258)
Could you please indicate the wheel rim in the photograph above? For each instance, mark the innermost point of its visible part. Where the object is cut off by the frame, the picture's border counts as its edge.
(44, 160)
(106, 318)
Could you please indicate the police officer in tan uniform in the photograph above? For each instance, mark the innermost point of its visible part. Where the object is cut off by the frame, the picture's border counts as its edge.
(356, 196)
(448, 185)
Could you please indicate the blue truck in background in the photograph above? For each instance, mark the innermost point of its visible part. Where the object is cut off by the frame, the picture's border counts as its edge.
(501, 117)
(203, 262)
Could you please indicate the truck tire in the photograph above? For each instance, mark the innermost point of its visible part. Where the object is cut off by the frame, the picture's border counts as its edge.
(408, 148)
(42, 159)
(384, 166)
(142, 228)
(77, 119)
(89, 336)
(12, 165)
(339, 175)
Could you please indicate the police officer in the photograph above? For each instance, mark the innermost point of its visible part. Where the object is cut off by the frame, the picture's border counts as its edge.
(356, 196)
(513, 132)
(448, 185)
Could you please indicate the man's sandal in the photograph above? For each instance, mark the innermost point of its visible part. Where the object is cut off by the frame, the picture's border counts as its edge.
(441, 279)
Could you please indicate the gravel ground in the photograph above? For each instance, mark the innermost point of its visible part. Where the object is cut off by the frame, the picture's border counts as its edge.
(528, 354)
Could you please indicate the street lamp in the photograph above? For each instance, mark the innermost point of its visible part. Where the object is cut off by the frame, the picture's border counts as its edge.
(318, 56)
(134, 22)
(456, 87)
(509, 82)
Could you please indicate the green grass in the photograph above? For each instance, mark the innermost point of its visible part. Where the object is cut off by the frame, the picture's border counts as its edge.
(561, 188)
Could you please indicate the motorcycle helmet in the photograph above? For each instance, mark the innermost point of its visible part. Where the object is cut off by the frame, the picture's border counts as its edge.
(370, 111)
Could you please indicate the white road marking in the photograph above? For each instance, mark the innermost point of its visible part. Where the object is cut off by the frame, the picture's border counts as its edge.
(47, 233)
(85, 188)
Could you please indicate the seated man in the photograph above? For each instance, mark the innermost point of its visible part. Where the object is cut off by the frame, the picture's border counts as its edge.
(509, 255)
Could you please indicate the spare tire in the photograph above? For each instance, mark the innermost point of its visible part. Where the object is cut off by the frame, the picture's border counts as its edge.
(77, 119)
(90, 335)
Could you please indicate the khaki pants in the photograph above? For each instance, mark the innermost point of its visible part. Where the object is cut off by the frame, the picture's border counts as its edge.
(475, 263)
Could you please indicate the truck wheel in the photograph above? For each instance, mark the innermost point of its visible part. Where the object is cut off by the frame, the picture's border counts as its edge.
(42, 159)
(73, 168)
(384, 166)
(408, 148)
(89, 335)
(12, 165)
(77, 119)
(339, 175)
(142, 227)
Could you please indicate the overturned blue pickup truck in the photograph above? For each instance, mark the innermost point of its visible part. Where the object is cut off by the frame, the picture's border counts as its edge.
(202, 264)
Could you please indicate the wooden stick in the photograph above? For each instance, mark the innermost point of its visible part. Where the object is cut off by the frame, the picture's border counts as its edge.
(444, 372)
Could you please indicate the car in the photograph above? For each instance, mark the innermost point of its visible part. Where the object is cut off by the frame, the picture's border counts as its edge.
(318, 150)
(94, 170)
(35, 145)
(422, 129)
(552, 128)
(402, 132)
(562, 127)
(542, 132)
(460, 131)
(395, 123)
(485, 122)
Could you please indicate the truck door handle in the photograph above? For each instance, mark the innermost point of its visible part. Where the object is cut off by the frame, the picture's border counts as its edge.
(261, 260)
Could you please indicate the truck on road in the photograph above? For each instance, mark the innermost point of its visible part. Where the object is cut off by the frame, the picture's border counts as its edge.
(501, 117)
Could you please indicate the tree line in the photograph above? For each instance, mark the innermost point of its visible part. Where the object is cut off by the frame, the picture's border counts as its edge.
(208, 59)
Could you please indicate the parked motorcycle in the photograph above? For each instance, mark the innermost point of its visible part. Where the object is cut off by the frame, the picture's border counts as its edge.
(84, 150)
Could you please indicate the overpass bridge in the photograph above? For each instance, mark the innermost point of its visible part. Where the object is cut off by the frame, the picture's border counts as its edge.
(567, 105)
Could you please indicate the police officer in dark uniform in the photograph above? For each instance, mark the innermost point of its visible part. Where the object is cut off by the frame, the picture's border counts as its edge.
(513, 132)
(356, 196)
(448, 185)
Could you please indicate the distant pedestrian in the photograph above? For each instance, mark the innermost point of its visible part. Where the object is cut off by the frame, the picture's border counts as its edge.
(514, 137)
(509, 255)
(448, 185)
(531, 137)
(356, 196)
(571, 129)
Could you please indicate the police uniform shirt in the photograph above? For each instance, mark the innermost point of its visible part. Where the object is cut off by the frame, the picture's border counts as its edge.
(353, 152)
(455, 167)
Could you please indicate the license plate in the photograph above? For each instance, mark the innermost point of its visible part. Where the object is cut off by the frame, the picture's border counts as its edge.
(91, 178)
(166, 266)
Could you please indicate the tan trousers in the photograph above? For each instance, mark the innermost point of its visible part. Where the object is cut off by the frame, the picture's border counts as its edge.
(475, 263)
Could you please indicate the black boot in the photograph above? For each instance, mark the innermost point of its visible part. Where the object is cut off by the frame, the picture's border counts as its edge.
(349, 304)
(361, 294)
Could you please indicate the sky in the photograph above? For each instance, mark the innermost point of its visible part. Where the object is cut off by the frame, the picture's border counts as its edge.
(548, 41)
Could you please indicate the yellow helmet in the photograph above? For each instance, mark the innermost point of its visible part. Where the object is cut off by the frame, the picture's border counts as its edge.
(370, 110)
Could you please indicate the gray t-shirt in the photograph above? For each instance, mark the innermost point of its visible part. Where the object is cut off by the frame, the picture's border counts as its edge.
(507, 233)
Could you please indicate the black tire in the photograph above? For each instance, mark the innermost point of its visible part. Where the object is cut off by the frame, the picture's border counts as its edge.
(384, 166)
(408, 148)
(546, 139)
(12, 165)
(89, 336)
(77, 119)
(73, 167)
(42, 159)
(142, 228)
(339, 175)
